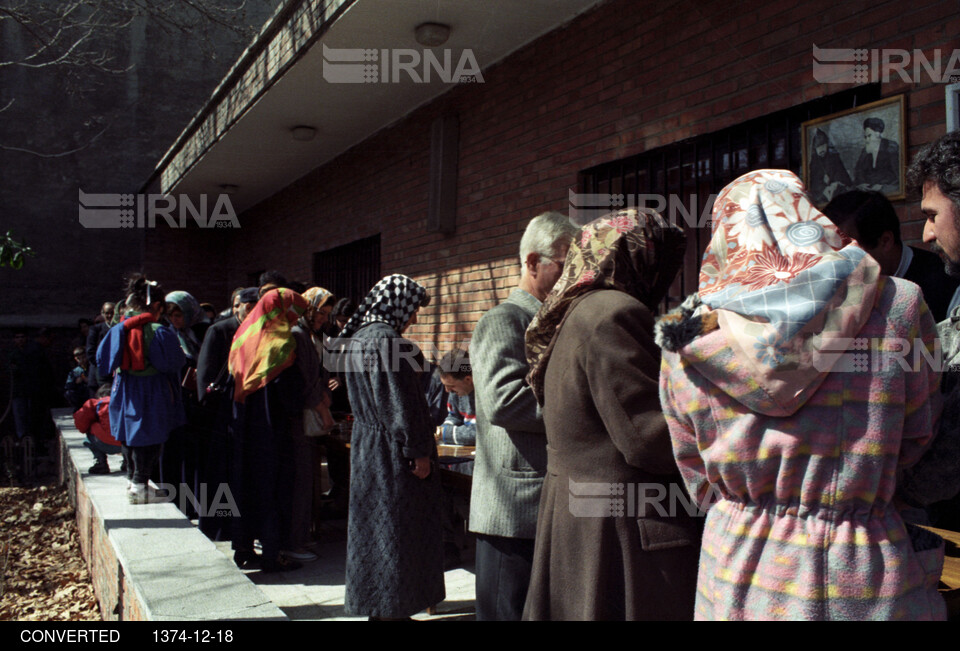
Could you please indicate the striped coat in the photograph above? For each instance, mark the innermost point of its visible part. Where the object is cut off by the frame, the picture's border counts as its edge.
(511, 456)
(803, 526)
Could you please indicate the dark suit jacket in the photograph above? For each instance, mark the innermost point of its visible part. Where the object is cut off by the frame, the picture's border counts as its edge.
(215, 351)
(926, 270)
(97, 332)
(887, 170)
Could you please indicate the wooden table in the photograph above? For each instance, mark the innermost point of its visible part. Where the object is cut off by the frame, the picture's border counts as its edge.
(950, 579)
(446, 450)
(455, 481)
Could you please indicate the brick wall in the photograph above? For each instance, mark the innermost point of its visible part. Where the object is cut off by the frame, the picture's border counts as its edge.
(113, 588)
(619, 80)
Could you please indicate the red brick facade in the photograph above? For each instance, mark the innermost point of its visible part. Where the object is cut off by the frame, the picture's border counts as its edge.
(622, 79)
(114, 590)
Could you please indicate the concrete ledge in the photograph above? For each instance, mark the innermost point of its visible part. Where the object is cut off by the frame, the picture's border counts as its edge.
(148, 562)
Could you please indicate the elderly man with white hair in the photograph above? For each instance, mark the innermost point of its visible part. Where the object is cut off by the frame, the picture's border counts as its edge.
(511, 442)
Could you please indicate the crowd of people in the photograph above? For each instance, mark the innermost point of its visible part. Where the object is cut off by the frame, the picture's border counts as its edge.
(760, 452)
(731, 459)
(216, 406)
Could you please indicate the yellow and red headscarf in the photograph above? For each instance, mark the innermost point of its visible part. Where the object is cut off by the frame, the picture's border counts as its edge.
(264, 345)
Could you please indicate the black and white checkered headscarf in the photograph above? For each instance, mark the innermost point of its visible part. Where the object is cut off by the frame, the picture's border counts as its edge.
(393, 301)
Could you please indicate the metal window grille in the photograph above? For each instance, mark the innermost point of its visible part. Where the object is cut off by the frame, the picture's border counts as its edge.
(351, 270)
(682, 179)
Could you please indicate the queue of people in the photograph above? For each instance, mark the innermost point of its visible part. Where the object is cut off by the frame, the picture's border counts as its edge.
(722, 461)
(753, 407)
(202, 407)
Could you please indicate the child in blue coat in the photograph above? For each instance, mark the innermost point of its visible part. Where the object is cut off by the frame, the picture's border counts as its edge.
(145, 404)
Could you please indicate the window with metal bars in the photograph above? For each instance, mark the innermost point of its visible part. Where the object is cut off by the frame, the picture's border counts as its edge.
(682, 179)
(349, 271)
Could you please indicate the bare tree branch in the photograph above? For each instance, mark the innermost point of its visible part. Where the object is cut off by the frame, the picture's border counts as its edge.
(80, 37)
(58, 154)
(65, 33)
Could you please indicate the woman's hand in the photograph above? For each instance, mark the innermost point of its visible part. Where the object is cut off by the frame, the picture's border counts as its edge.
(421, 467)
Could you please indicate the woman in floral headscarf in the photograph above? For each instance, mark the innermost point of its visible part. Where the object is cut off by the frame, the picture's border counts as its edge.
(394, 534)
(797, 435)
(594, 368)
(316, 420)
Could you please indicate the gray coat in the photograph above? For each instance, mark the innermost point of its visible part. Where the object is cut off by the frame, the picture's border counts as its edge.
(394, 533)
(511, 445)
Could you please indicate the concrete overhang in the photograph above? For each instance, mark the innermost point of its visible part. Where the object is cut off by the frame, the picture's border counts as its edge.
(242, 139)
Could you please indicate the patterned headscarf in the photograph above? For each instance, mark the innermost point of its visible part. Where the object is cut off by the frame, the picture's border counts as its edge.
(634, 251)
(191, 314)
(264, 346)
(316, 298)
(782, 279)
(393, 301)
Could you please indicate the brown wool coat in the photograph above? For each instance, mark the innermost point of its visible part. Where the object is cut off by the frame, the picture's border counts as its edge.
(605, 426)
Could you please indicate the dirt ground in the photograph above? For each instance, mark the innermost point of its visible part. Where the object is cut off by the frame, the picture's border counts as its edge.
(42, 574)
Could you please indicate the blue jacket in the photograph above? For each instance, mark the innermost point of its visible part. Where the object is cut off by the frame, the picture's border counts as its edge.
(460, 426)
(145, 406)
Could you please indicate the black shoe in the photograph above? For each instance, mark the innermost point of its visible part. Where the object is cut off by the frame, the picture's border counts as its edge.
(100, 468)
(246, 560)
(282, 564)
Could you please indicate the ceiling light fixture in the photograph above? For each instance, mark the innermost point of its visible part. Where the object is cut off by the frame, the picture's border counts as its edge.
(303, 133)
(432, 34)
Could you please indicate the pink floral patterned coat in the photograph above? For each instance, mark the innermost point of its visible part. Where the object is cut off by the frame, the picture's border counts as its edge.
(803, 526)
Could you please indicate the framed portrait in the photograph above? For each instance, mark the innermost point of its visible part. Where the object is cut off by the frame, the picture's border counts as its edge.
(860, 148)
(953, 107)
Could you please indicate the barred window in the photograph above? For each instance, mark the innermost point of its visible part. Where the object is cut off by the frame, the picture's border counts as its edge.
(682, 179)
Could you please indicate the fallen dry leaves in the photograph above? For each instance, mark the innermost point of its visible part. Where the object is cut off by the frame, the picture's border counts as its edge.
(42, 574)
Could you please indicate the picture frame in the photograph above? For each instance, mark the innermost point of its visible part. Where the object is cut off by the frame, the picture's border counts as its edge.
(860, 148)
(952, 101)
